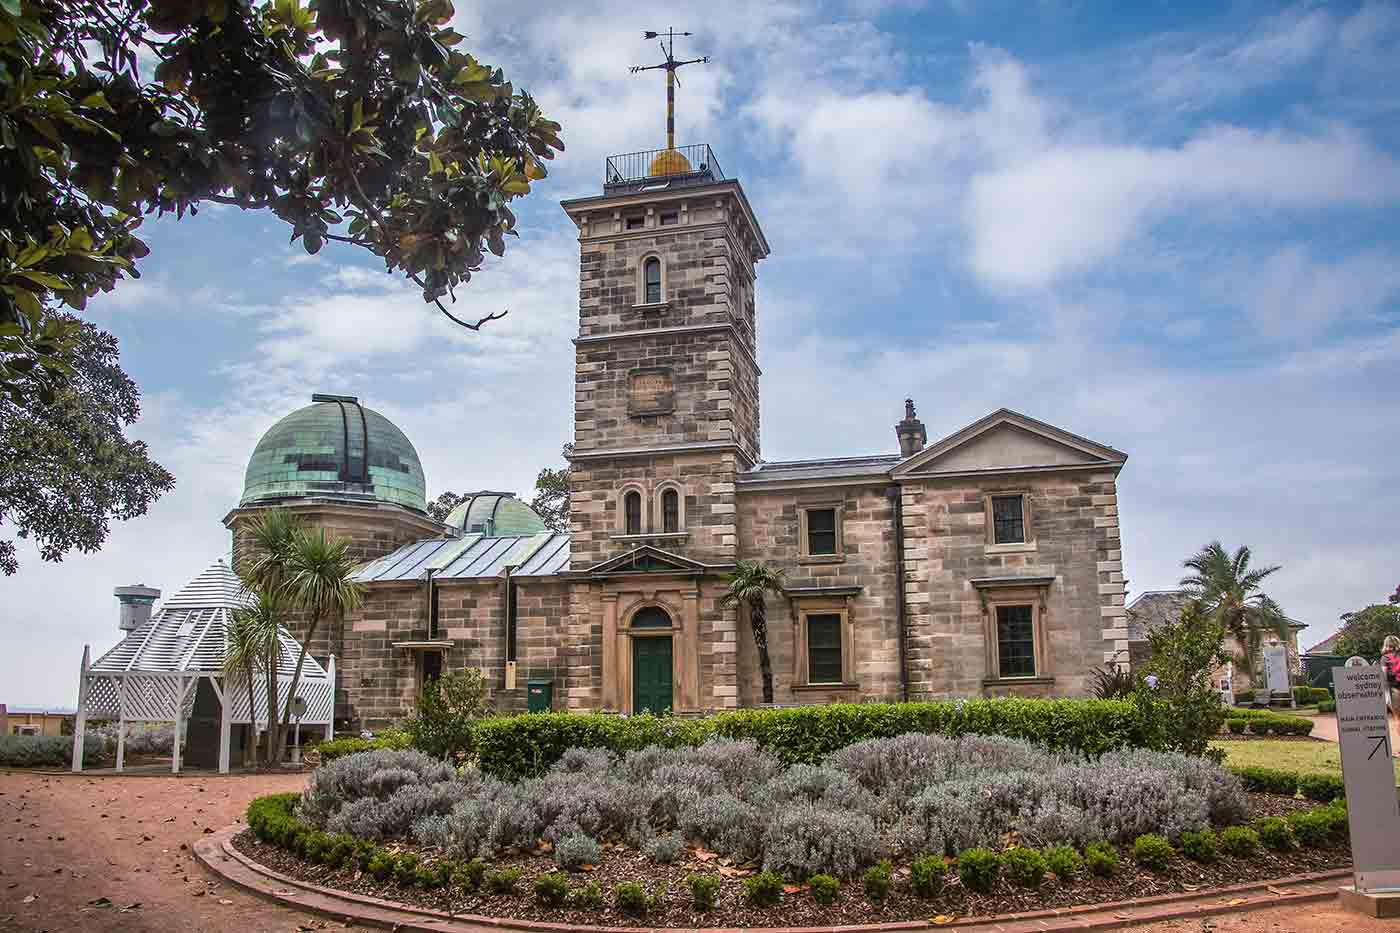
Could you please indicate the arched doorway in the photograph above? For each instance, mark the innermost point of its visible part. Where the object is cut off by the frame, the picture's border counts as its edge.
(652, 687)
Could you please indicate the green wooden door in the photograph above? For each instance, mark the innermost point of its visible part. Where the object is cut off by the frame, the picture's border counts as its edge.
(651, 674)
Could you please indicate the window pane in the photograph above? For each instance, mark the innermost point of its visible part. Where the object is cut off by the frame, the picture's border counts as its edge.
(653, 279)
(670, 511)
(1016, 641)
(669, 218)
(821, 531)
(824, 649)
(1008, 526)
(632, 503)
(635, 223)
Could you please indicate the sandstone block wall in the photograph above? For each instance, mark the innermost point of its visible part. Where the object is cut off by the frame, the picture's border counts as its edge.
(1075, 526)
(769, 531)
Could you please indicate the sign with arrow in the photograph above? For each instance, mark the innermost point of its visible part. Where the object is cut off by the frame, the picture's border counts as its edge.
(1369, 773)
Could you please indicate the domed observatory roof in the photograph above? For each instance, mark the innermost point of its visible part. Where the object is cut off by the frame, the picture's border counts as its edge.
(338, 449)
(495, 515)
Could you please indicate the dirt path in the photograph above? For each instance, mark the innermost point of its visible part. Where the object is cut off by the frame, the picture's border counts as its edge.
(66, 841)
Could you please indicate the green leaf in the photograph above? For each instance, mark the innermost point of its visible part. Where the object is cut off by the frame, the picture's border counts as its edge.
(11, 6)
(98, 101)
(45, 279)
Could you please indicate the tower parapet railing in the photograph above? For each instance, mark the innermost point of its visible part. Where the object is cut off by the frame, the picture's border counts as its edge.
(684, 165)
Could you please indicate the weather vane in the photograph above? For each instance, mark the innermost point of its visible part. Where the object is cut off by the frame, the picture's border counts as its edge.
(668, 48)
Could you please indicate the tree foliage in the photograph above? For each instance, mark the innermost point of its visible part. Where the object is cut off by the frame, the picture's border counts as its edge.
(447, 710)
(1363, 631)
(551, 500)
(750, 585)
(350, 120)
(1183, 703)
(443, 505)
(66, 468)
(1230, 592)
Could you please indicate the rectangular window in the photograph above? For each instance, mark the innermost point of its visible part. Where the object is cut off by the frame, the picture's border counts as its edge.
(636, 223)
(824, 649)
(432, 668)
(1008, 520)
(670, 218)
(1015, 641)
(821, 531)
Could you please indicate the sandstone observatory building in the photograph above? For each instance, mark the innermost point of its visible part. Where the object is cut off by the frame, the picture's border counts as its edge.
(987, 563)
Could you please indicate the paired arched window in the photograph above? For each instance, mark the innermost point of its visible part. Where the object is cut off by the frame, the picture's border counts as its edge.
(670, 511)
(632, 513)
(651, 278)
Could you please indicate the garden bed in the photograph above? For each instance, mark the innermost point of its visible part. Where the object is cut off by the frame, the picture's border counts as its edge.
(898, 828)
(798, 908)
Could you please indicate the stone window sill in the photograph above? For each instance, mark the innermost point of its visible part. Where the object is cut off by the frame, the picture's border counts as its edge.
(651, 306)
(1018, 682)
(651, 536)
(812, 688)
(822, 559)
(1018, 547)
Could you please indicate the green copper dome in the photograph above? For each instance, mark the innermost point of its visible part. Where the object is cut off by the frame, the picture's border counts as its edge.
(335, 448)
(495, 514)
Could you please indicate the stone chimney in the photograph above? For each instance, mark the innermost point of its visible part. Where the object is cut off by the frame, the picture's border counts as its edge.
(136, 605)
(911, 433)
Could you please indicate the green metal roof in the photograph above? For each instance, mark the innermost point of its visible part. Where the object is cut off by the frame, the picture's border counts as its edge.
(495, 514)
(335, 448)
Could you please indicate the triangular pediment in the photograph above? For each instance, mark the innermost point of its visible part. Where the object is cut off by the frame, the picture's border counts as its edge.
(1007, 441)
(648, 559)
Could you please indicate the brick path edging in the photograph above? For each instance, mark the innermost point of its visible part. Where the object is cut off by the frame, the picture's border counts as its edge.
(217, 854)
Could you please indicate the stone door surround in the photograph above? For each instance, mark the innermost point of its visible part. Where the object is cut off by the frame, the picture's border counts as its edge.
(621, 602)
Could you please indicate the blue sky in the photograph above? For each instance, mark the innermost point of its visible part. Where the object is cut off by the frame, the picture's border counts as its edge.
(1169, 227)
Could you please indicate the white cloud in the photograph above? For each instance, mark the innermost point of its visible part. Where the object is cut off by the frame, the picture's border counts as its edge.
(1291, 294)
(1075, 206)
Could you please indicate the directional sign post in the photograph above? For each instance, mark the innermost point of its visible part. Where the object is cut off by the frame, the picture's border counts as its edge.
(1369, 773)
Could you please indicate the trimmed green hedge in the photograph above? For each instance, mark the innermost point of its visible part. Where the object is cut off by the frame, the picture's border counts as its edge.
(1265, 722)
(514, 747)
(350, 744)
(1320, 787)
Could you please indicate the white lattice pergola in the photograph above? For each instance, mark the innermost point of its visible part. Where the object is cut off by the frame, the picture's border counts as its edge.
(152, 675)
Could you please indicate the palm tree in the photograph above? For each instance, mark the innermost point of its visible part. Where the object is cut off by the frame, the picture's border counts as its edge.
(251, 645)
(1229, 592)
(264, 549)
(317, 582)
(749, 585)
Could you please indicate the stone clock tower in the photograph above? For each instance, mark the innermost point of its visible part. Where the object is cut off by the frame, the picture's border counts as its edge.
(666, 413)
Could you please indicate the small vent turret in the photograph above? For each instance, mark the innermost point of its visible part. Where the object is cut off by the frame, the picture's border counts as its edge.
(135, 605)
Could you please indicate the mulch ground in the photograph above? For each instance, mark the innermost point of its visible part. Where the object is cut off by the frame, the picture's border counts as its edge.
(797, 908)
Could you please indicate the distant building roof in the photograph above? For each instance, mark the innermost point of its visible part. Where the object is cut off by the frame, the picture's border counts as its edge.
(875, 466)
(1155, 606)
(39, 710)
(1327, 646)
(473, 556)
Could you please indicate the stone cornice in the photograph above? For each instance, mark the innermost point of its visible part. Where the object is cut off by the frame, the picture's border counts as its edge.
(367, 510)
(660, 450)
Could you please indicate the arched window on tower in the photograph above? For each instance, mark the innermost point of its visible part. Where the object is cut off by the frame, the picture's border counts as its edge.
(632, 513)
(670, 511)
(651, 275)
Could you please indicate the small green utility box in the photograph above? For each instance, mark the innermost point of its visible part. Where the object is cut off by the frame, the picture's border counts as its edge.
(539, 696)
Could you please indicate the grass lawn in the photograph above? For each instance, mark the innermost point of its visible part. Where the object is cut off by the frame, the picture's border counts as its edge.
(1310, 757)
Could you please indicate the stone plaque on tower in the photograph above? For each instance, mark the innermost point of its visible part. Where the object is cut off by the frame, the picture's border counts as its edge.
(651, 392)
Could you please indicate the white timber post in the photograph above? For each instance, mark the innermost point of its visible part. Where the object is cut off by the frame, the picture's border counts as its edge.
(80, 720)
(224, 722)
(121, 723)
(330, 726)
(179, 712)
